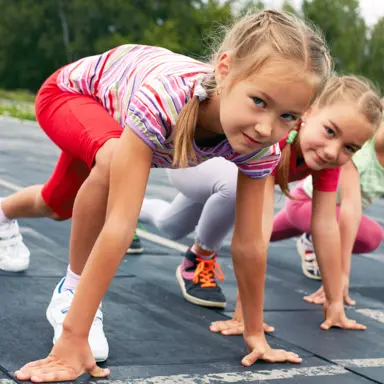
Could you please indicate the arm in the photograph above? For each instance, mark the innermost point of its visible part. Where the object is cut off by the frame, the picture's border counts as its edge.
(130, 167)
(249, 253)
(236, 325)
(326, 241)
(350, 213)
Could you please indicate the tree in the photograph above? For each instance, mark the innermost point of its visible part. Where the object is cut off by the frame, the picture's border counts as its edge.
(374, 58)
(345, 30)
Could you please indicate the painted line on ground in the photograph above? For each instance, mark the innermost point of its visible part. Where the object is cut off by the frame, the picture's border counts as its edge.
(11, 186)
(361, 363)
(374, 314)
(6, 381)
(253, 376)
(161, 240)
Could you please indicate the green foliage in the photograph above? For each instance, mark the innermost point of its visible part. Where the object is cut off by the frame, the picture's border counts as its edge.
(38, 37)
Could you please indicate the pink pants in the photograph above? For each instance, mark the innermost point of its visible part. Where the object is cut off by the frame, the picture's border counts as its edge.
(295, 219)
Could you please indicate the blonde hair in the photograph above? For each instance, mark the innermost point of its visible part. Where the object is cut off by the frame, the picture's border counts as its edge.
(338, 89)
(284, 36)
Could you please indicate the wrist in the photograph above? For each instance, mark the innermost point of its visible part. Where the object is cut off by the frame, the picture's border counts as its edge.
(71, 331)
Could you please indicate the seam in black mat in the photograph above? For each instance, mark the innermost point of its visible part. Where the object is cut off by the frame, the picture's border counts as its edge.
(9, 375)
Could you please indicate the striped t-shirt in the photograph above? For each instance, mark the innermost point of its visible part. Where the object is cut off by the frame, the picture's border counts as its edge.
(145, 88)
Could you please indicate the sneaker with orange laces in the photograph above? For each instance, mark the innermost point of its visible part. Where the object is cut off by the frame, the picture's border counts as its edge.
(197, 278)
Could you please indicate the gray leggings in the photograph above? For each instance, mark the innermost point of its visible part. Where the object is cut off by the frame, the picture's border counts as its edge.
(205, 203)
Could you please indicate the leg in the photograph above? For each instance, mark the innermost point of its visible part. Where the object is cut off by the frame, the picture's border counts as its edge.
(176, 219)
(213, 185)
(369, 236)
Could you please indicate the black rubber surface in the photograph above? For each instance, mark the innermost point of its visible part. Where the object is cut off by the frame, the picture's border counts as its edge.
(157, 337)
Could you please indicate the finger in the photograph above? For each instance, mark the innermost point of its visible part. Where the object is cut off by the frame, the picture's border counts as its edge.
(251, 358)
(233, 331)
(308, 299)
(352, 324)
(66, 374)
(326, 325)
(349, 301)
(268, 328)
(219, 326)
(279, 355)
(319, 300)
(96, 371)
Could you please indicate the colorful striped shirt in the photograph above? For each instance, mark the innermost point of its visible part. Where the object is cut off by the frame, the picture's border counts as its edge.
(144, 88)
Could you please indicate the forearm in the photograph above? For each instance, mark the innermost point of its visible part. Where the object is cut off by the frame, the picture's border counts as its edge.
(250, 267)
(349, 221)
(326, 241)
(98, 273)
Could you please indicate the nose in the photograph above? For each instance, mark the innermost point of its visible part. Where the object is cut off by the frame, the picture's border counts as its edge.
(331, 152)
(264, 129)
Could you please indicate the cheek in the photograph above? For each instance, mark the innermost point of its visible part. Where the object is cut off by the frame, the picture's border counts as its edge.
(343, 158)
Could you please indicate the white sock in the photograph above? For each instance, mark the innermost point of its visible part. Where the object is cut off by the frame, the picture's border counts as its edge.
(3, 218)
(152, 209)
(71, 280)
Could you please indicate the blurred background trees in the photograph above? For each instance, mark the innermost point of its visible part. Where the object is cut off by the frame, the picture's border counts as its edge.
(37, 37)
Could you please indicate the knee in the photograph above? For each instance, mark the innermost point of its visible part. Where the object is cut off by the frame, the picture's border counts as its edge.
(226, 188)
(46, 211)
(375, 238)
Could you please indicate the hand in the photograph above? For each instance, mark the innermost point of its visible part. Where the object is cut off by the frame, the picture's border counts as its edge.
(335, 316)
(318, 297)
(65, 363)
(259, 349)
(234, 327)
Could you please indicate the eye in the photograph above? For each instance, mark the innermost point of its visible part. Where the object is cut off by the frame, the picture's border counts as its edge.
(289, 117)
(259, 102)
(329, 131)
(351, 149)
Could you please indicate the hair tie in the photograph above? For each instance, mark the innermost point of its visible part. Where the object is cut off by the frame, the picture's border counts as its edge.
(292, 136)
(200, 92)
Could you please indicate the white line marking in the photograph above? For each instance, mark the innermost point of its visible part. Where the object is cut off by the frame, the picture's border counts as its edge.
(161, 240)
(6, 381)
(252, 376)
(361, 363)
(11, 186)
(373, 314)
(234, 377)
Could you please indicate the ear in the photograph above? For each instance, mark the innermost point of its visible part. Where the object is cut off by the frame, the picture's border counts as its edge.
(306, 114)
(223, 67)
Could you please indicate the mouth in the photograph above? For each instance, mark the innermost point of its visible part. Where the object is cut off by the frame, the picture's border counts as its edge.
(251, 141)
(320, 160)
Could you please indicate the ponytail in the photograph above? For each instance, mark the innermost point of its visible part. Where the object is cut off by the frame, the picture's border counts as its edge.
(283, 168)
(185, 133)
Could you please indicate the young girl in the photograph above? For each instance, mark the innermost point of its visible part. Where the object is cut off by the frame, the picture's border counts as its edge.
(361, 182)
(345, 116)
(179, 112)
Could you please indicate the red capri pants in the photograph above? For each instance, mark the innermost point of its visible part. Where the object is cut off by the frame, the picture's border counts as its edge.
(79, 126)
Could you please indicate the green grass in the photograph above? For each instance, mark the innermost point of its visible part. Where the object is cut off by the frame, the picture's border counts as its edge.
(23, 112)
(17, 95)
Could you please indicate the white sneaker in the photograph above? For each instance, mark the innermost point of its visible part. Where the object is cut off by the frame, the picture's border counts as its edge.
(308, 258)
(14, 255)
(56, 312)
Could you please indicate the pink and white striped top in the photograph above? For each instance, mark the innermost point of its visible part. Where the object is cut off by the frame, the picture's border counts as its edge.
(144, 88)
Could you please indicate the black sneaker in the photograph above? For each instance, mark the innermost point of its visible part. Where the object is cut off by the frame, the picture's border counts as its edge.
(135, 246)
(196, 277)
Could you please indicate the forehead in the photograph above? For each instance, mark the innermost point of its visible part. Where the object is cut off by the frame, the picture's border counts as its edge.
(352, 125)
(288, 90)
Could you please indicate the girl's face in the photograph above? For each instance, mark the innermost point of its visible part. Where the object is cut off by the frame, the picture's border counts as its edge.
(331, 135)
(259, 111)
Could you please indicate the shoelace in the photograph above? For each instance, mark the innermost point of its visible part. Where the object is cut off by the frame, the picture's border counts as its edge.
(135, 237)
(205, 272)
